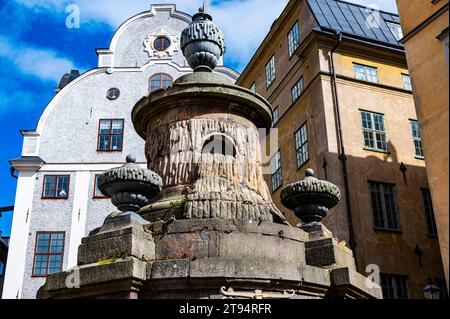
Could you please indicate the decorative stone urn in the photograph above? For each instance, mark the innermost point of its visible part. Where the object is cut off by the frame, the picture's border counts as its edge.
(130, 188)
(202, 43)
(310, 198)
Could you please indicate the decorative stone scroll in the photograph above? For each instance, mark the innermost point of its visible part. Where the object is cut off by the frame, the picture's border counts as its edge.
(149, 44)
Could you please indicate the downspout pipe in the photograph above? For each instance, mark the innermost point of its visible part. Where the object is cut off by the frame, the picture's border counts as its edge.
(341, 146)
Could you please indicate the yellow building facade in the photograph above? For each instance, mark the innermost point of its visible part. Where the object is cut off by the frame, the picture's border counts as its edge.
(425, 28)
(342, 106)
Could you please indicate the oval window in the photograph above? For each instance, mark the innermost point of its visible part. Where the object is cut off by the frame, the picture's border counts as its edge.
(162, 43)
(113, 94)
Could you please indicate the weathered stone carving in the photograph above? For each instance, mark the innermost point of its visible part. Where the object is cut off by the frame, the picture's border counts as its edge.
(130, 188)
(202, 43)
(149, 44)
(310, 198)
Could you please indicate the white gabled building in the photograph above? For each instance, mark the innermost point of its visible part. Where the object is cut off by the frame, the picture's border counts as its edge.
(85, 130)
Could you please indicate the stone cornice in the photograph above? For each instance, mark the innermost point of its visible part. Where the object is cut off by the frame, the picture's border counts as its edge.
(27, 164)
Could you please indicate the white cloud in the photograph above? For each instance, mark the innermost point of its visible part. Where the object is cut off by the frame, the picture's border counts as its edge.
(245, 22)
(44, 64)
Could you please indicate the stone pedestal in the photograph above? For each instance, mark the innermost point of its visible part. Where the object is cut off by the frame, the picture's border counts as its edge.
(213, 258)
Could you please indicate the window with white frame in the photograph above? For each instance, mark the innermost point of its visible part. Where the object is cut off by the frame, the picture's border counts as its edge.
(429, 212)
(301, 145)
(270, 71)
(277, 176)
(293, 39)
(394, 286)
(396, 30)
(384, 206)
(276, 117)
(297, 90)
(374, 132)
(417, 139)
(407, 82)
(366, 73)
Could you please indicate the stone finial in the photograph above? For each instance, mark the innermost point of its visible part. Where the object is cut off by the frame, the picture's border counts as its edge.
(202, 43)
(130, 187)
(131, 159)
(310, 198)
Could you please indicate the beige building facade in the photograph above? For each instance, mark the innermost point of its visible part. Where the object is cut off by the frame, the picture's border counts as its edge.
(343, 106)
(425, 28)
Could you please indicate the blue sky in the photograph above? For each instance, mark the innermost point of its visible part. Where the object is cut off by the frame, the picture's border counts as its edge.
(36, 49)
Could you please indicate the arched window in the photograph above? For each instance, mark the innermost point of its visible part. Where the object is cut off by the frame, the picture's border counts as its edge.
(219, 144)
(162, 43)
(160, 81)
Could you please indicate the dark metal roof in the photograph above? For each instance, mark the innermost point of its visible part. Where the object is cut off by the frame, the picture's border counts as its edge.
(67, 78)
(6, 209)
(354, 20)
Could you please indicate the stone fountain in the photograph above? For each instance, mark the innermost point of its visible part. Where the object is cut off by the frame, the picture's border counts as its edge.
(200, 221)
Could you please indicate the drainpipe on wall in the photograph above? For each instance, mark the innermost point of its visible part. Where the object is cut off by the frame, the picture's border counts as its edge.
(342, 155)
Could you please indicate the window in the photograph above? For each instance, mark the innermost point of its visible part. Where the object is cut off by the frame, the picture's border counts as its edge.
(394, 287)
(366, 73)
(396, 30)
(2, 269)
(277, 177)
(56, 187)
(446, 49)
(429, 212)
(384, 206)
(253, 87)
(301, 146)
(276, 117)
(293, 39)
(110, 135)
(160, 81)
(270, 71)
(113, 94)
(443, 286)
(417, 140)
(48, 253)
(374, 132)
(162, 43)
(297, 90)
(407, 82)
(97, 193)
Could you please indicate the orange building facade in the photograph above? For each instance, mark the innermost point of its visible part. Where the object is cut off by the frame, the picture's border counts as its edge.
(343, 106)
